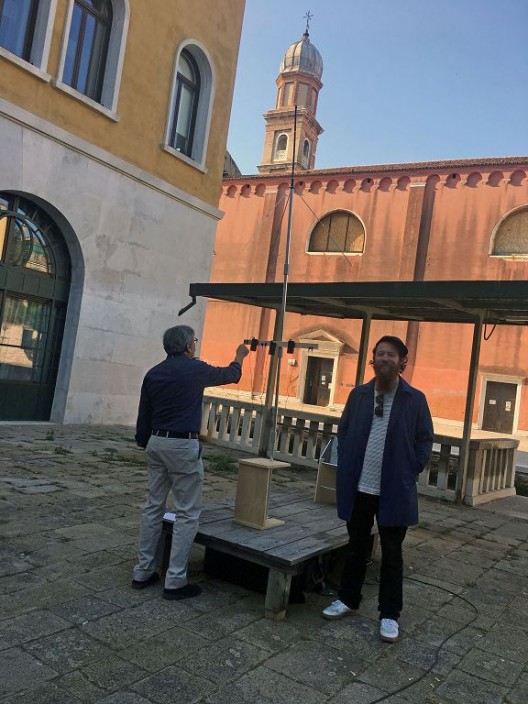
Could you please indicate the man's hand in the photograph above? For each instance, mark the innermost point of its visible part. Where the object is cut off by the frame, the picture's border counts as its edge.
(241, 353)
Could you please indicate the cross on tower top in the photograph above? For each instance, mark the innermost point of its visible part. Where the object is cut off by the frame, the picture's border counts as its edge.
(308, 16)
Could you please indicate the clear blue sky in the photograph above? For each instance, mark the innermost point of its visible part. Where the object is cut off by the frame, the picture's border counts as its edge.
(404, 80)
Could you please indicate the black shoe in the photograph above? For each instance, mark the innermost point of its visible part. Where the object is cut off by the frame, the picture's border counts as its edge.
(141, 584)
(186, 592)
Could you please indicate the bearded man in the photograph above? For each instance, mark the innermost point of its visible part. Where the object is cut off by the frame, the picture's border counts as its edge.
(385, 438)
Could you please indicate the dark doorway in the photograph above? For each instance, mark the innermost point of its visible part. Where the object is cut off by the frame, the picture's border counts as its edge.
(499, 407)
(34, 289)
(318, 381)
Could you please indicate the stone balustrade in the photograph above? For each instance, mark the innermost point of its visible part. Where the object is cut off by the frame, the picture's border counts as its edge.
(301, 438)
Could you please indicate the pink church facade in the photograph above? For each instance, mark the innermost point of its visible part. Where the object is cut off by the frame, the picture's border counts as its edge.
(432, 221)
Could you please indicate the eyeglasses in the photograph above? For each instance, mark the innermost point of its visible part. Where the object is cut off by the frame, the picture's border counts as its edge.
(195, 340)
(378, 410)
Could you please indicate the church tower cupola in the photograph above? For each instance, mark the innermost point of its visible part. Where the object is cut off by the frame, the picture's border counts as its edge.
(298, 83)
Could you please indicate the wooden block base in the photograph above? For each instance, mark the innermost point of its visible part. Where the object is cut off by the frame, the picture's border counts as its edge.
(253, 490)
(268, 523)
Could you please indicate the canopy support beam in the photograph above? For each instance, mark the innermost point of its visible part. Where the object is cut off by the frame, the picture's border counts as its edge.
(470, 404)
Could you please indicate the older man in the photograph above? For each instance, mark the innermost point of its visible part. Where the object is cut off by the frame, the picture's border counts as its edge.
(385, 438)
(169, 420)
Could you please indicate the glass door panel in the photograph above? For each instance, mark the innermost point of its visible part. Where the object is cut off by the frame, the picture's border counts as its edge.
(23, 335)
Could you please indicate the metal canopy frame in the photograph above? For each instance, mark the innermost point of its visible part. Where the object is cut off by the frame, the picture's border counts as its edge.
(494, 302)
(477, 303)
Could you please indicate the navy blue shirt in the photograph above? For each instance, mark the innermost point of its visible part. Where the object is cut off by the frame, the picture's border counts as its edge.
(172, 394)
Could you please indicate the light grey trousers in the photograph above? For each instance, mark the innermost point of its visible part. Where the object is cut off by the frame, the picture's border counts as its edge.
(173, 465)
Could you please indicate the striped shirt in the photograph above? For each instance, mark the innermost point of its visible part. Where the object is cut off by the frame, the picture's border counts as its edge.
(370, 478)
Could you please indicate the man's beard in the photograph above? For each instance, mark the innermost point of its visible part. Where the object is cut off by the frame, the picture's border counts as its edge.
(386, 373)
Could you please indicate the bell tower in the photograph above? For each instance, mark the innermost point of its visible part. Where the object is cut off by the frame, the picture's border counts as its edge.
(298, 83)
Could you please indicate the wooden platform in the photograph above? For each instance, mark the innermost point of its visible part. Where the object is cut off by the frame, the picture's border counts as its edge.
(309, 530)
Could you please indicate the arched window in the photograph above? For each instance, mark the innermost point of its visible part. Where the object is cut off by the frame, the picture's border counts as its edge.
(510, 237)
(185, 104)
(85, 63)
(190, 104)
(306, 153)
(34, 289)
(93, 51)
(281, 147)
(339, 231)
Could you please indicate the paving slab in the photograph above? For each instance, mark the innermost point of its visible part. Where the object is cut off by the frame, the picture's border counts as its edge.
(269, 635)
(392, 675)
(49, 693)
(164, 649)
(31, 626)
(326, 669)
(83, 610)
(462, 688)
(124, 698)
(67, 650)
(266, 687)
(173, 685)
(109, 674)
(224, 661)
(491, 667)
(20, 670)
(227, 619)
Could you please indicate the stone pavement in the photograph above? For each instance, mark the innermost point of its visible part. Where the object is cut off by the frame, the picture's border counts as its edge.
(72, 630)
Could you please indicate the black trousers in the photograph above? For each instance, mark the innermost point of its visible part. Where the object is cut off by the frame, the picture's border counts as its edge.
(390, 599)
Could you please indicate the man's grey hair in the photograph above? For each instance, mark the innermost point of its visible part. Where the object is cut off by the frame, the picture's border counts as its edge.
(177, 339)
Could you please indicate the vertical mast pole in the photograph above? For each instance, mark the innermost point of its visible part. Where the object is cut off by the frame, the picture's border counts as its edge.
(282, 314)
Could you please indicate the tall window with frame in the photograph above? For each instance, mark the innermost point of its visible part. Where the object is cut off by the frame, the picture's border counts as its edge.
(17, 26)
(87, 49)
(34, 288)
(186, 97)
(281, 147)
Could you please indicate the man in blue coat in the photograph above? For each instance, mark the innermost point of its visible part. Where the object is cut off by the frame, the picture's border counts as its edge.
(168, 424)
(385, 438)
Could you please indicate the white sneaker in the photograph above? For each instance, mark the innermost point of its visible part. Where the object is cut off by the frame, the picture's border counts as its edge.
(337, 610)
(389, 630)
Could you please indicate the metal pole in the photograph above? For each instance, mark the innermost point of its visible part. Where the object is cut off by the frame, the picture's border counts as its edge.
(267, 422)
(282, 314)
(470, 403)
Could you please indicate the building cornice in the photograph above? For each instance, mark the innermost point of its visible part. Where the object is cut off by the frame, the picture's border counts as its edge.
(418, 166)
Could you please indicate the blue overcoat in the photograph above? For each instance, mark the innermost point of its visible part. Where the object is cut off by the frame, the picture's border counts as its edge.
(407, 449)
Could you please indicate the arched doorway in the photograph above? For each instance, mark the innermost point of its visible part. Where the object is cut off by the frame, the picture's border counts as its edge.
(35, 272)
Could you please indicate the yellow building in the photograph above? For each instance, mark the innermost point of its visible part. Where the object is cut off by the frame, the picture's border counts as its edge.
(113, 125)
